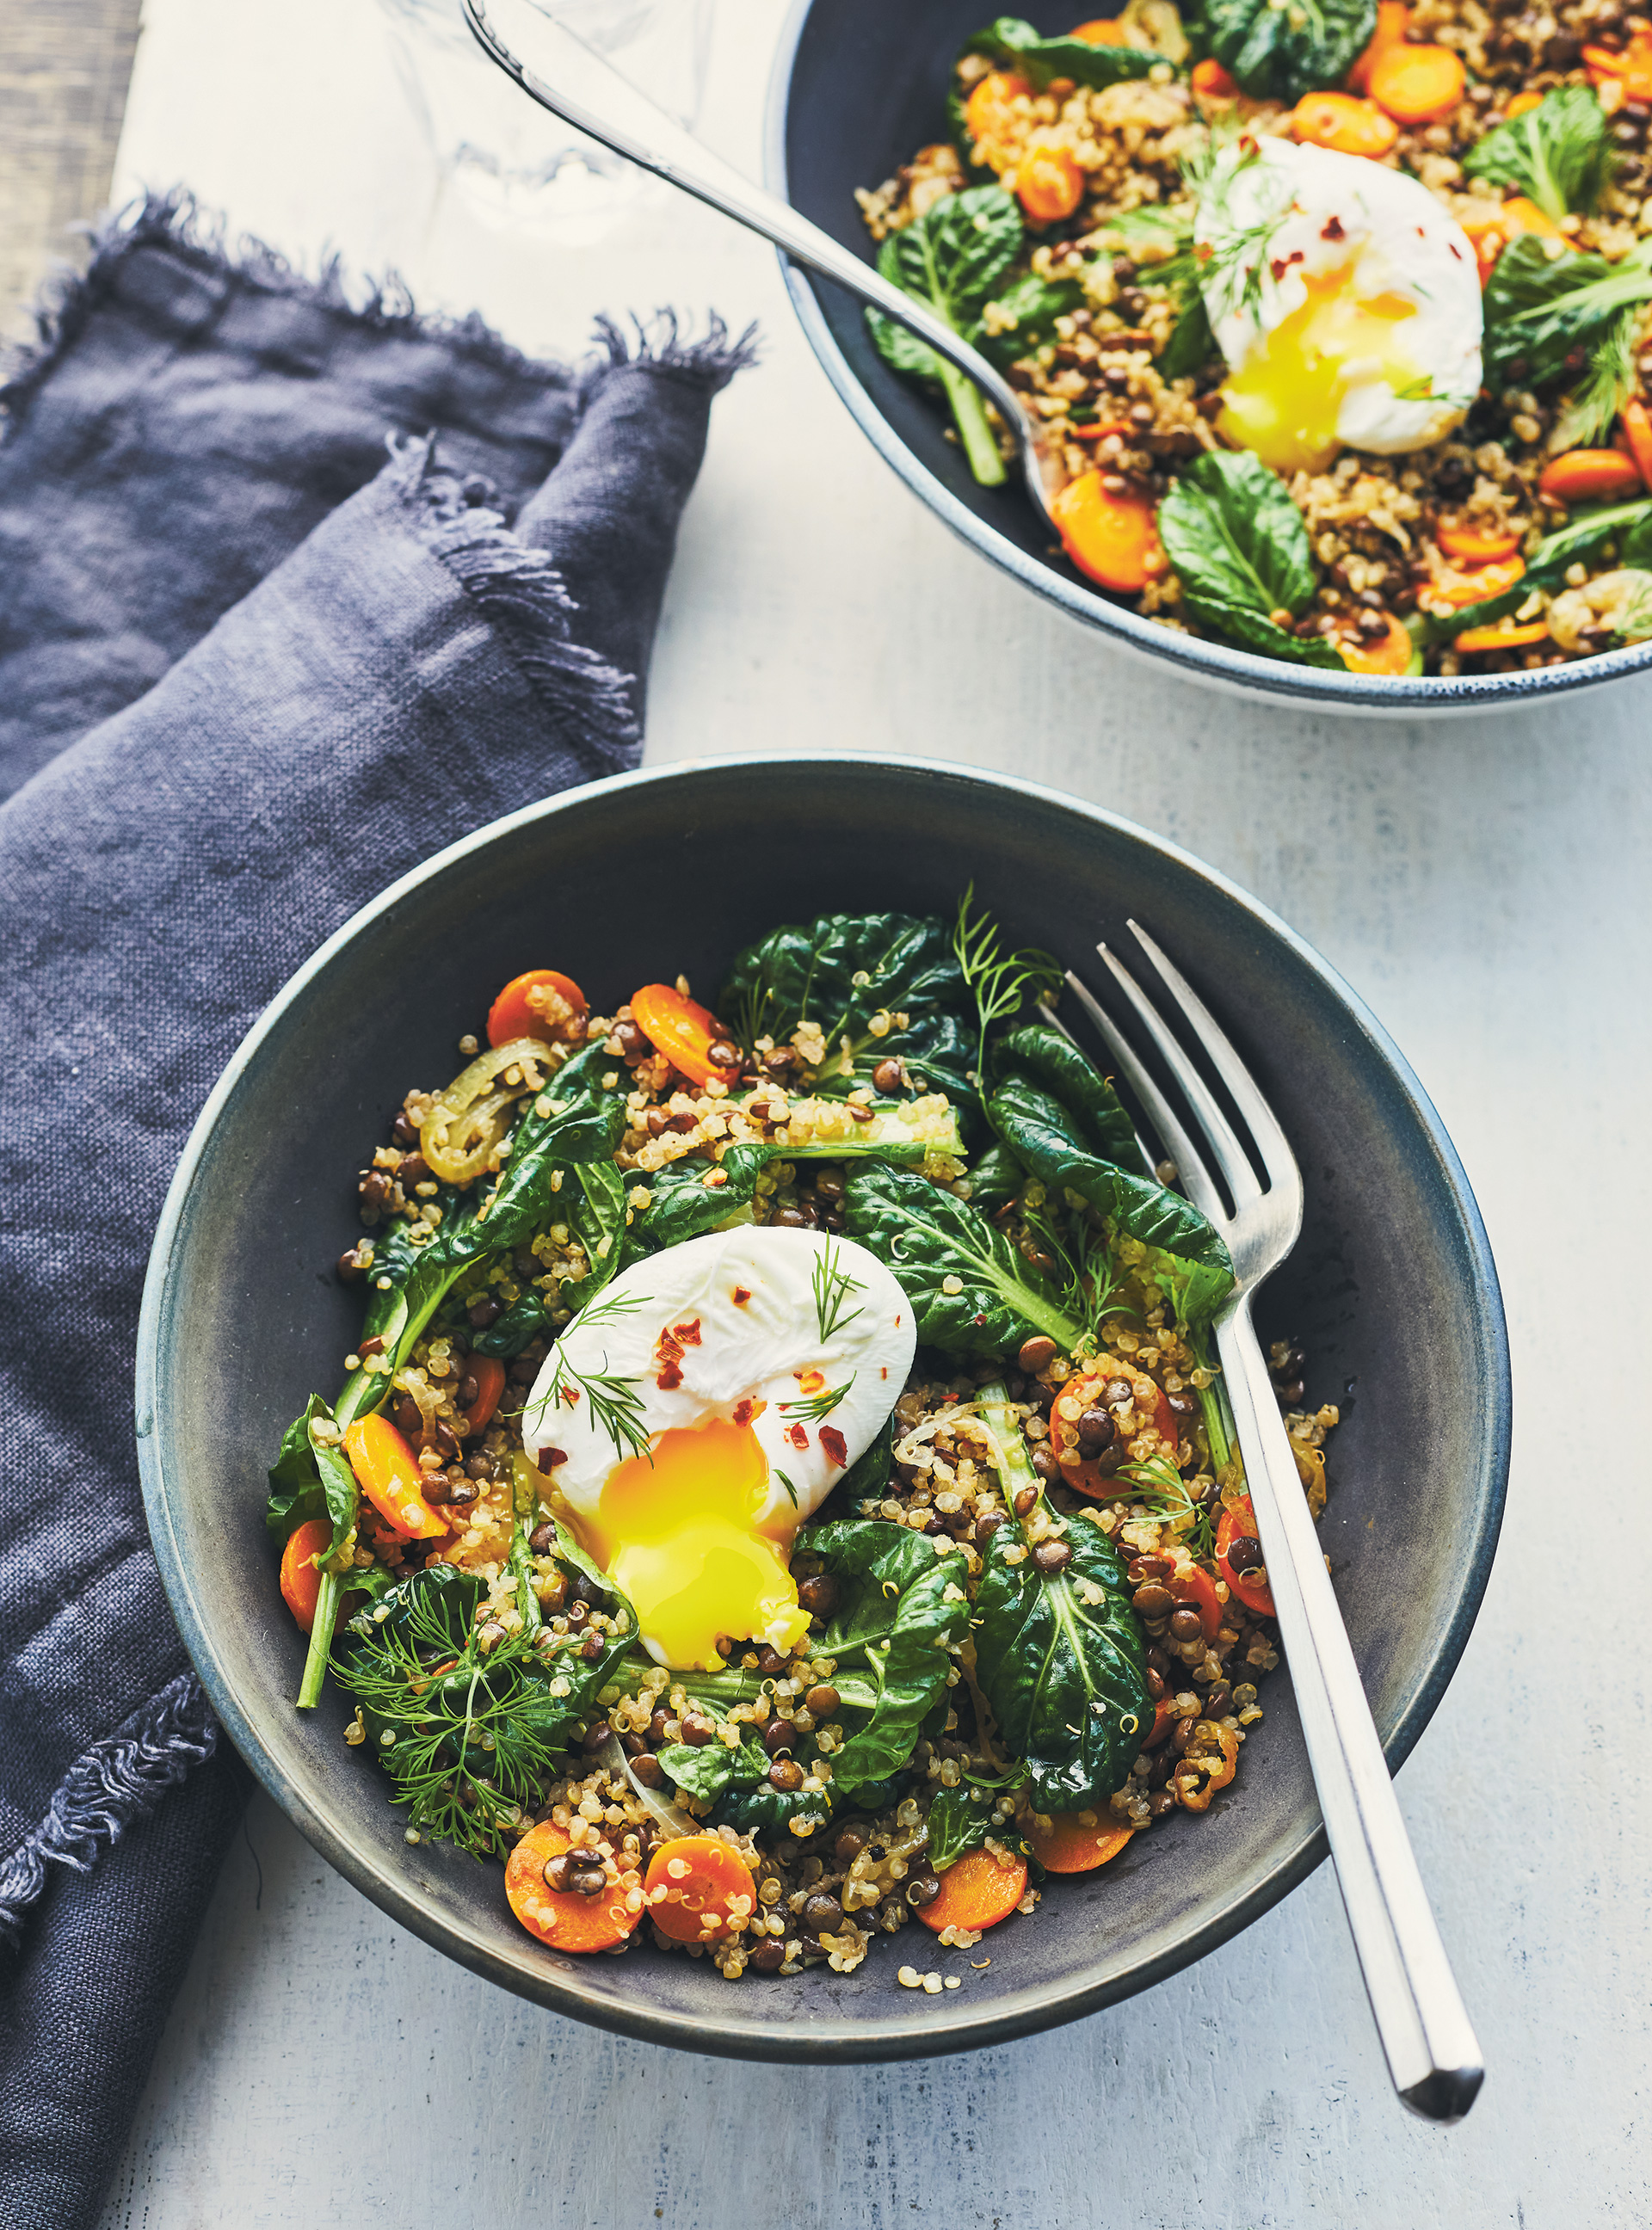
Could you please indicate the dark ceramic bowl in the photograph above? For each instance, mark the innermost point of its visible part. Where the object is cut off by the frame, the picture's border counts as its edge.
(858, 85)
(1391, 1287)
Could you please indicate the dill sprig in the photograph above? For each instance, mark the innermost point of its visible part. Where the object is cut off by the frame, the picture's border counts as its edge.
(1588, 411)
(816, 1406)
(789, 1488)
(616, 1403)
(999, 983)
(832, 1287)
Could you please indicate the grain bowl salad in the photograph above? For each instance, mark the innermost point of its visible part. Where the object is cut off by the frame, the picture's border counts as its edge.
(782, 1489)
(1336, 317)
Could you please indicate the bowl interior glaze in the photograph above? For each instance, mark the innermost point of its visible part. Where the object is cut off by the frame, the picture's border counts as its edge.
(858, 86)
(1391, 1287)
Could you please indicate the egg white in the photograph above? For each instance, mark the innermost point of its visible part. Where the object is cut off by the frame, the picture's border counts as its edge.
(1356, 233)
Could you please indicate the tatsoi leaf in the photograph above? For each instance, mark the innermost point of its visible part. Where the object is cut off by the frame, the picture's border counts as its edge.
(1031, 307)
(1557, 154)
(755, 1810)
(842, 973)
(706, 1772)
(932, 1239)
(295, 1491)
(995, 1177)
(1545, 316)
(1233, 534)
(1066, 1677)
(1183, 1252)
(1279, 54)
(898, 1605)
(1251, 630)
(1176, 269)
(584, 1121)
(1051, 1059)
(1014, 45)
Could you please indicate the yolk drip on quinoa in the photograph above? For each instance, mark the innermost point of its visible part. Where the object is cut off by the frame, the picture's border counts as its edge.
(1283, 400)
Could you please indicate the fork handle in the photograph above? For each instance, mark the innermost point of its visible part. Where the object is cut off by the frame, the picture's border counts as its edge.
(1432, 2055)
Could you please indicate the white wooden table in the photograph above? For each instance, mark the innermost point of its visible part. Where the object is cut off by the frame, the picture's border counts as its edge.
(1484, 885)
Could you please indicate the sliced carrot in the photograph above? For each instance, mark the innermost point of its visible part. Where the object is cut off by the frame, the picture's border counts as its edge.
(1212, 87)
(1099, 432)
(1491, 235)
(1049, 184)
(1581, 475)
(388, 1473)
(696, 1886)
(1090, 1475)
(1392, 17)
(1503, 636)
(1343, 122)
(540, 1004)
(1101, 31)
(1068, 1846)
(1388, 654)
(1638, 428)
(1110, 536)
(1453, 590)
(562, 1917)
(683, 1032)
(1477, 546)
(989, 115)
(1521, 104)
(976, 1891)
(1628, 73)
(489, 1374)
(1417, 85)
(301, 1580)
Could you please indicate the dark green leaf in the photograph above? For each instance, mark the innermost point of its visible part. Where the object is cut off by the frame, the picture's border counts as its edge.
(763, 1808)
(1067, 1679)
(926, 1236)
(1184, 1254)
(295, 1491)
(959, 1819)
(1235, 537)
(808, 973)
(1050, 1058)
(1191, 344)
(1249, 629)
(1032, 304)
(1558, 154)
(1014, 45)
(510, 1333)
(954, 258)
(706, 1772)
(1543, 316)
(898, 1605)
(995, 1177)
(1279, 54)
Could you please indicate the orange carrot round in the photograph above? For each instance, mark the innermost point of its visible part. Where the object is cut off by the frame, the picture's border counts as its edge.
(1637, 431)
(1049, 184)
(489, 1374)
(562, 1917)
(1583, 475)
(1343, 122)
(1477, 546)
(976, 1891)
(1101, 31)
(987, 113)
(1521, 104)
(1212, 87)
(1387, 654)
(388, 1473)
(683, 1032)
(1417, 85)
(1628, 74)
(1109, 535)
(1452, 590)
(1068, 1846)
(539, 1004)
(1505, 635)
(301, 1580)
(1392, 17)
(1090, 1475)
(696, 1886)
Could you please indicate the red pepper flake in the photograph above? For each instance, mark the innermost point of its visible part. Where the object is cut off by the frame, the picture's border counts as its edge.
(1282, 264)
(1332, 230)
(570, 1395)
(835, 1446)
(742, 1295)
(669, 1378)
(744, 1411)
(688, 1333)
(797, 1436)
(549, 1458)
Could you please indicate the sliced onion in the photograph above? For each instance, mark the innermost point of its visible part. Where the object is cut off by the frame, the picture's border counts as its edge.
(467, 1120)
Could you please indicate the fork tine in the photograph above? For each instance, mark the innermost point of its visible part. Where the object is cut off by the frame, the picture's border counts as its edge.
(1201, 1190)
(1271, 1144)
(1230, 1155)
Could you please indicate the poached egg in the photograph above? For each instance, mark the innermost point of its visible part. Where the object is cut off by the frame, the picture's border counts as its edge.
(1345, 298)
(703, 1406)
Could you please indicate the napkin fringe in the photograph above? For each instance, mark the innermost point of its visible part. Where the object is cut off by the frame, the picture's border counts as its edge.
(659, 340)
(523, 597)
(107, 1789)
(176, 220)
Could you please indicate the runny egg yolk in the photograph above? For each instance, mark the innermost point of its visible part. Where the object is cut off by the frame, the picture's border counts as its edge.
(1283, 402)
(679, 1536)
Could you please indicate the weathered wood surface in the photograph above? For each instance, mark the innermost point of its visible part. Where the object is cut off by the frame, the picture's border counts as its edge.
(64, 65)
(1483, 883)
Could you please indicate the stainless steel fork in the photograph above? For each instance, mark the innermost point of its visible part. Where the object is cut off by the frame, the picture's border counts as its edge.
(1432, 2055)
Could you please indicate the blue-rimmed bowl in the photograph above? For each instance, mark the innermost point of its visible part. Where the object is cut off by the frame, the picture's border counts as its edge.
(857, 85)
(1391, 1288)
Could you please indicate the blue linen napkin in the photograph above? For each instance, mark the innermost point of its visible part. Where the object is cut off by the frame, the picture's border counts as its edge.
(250, 672)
